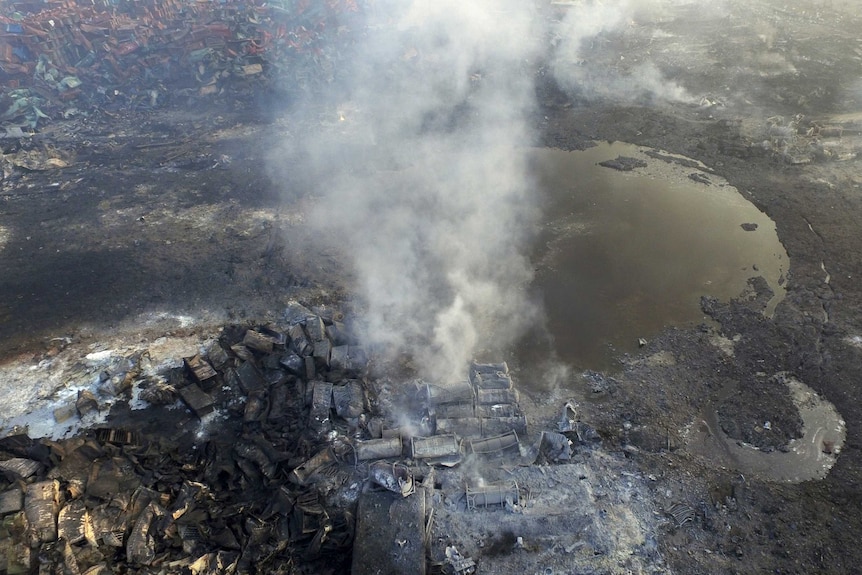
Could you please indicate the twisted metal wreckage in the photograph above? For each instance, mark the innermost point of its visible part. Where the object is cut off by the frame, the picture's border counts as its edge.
(292, 441)
(59, 58)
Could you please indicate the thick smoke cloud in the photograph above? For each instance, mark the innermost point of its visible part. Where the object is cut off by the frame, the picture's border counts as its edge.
(584, 62)
(425, 175)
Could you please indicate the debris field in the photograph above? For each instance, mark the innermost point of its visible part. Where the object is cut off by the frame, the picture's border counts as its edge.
(275, 452)
(136, 185)
(65, 58)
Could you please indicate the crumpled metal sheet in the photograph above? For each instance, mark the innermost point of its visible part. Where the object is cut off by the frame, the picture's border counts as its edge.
(40, 508)
(20, 467)
(74, 523)
(141, 545)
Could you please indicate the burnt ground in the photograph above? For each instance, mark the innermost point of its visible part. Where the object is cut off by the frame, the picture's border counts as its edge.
(179, 211)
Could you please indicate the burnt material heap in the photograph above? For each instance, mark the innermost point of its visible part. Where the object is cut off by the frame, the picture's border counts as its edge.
(218, 487)
(268, 452)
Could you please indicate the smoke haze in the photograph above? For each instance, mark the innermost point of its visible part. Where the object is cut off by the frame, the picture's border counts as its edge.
(427, 179)
(422, 177)
(584, 62)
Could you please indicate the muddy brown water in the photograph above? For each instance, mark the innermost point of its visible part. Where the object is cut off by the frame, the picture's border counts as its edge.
(626, 254)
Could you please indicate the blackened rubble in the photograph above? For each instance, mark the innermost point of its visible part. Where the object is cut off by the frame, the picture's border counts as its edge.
(264, 455)
(149, 495)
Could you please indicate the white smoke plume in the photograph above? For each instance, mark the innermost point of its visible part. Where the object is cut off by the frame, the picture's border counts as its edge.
(428, 181)
(584, 62)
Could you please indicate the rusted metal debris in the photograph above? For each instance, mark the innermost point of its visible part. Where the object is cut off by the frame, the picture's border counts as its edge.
(200, 369)
(457, 564)
(681, 513)
(172, 498)
(321, 401)
(62, 57)
(86, 403)
(394, 477)
(11, 501)
(556, 446)
(197, 400)
(20, 467)
(40, 510)
(117, 436)
(304, 472)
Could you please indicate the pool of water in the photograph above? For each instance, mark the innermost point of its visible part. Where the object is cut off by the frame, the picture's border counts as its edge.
(624, 254)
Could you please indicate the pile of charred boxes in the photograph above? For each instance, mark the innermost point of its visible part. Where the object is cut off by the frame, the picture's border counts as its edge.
(486, 405)
(480, 416)
(214, 488)
(260, 474)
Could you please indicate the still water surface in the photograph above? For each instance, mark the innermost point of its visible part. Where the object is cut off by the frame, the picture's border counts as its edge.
(625, 254)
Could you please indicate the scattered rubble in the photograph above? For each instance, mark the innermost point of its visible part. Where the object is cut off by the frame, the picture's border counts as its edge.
(279, 464)
(62, 58)
(798, 140)
(776, 526)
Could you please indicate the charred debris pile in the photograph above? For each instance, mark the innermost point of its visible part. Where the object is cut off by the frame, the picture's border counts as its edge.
(61, 58)
(257, 455)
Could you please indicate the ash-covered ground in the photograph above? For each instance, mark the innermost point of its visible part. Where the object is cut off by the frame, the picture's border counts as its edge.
(167, 224)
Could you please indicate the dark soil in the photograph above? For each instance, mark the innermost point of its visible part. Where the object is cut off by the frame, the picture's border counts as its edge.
(145, 219)
(747, 415)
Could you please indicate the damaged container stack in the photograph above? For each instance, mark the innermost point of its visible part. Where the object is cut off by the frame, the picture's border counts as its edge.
(484, 406)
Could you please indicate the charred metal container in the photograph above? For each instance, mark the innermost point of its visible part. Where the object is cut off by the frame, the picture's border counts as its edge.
(490, 375)
(453, 411)
(500, 425)
(460, 394)
(379, 448)
(494, 396)
(436, 446)
(463, 426)
(321, 401)
(494, 445)
(492, 495)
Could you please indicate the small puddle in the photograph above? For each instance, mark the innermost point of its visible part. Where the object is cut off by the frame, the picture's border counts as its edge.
(809, 457)
(626, 254)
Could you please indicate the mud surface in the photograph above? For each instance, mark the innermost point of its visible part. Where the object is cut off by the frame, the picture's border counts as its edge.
(176, 213)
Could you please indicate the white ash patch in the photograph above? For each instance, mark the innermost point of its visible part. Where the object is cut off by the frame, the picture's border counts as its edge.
(854, 341)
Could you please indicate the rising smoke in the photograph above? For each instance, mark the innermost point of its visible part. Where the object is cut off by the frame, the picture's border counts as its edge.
(423, 177)
(585, 61)
(431, 188)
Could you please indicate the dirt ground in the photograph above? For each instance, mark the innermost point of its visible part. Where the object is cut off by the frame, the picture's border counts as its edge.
(178, 213)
